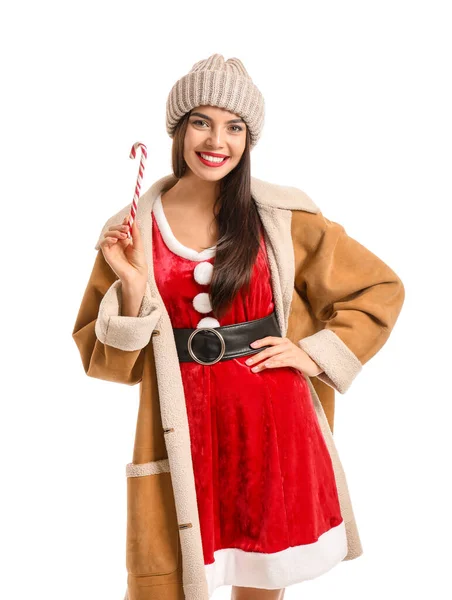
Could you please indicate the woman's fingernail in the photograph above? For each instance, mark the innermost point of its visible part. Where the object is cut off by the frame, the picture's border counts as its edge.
(253, 344)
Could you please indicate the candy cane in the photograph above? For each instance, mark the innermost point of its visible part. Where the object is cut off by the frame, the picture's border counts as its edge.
(136, 195)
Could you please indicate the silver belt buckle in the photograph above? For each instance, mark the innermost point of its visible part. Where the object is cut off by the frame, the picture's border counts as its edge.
(218, 334)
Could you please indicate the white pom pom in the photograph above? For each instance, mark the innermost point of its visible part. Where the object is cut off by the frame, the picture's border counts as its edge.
(201, 302)
(207, 322)
(203, 273)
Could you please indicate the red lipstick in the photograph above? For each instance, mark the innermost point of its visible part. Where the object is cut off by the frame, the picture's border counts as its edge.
(213, 164)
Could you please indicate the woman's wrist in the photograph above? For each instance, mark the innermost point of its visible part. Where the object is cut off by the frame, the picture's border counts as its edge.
(132, 297)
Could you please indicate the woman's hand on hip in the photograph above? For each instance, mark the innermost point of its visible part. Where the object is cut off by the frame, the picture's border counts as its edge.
(282, 353)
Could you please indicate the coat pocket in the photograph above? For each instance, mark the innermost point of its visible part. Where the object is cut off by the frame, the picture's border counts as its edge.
(152, 540)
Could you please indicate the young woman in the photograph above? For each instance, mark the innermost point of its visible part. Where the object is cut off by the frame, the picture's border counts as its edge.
(230, 296)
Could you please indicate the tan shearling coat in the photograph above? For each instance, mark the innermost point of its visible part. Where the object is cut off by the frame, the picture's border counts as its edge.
(332, 296)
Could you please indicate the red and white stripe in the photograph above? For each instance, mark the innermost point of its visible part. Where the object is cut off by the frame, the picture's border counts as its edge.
(144, 154)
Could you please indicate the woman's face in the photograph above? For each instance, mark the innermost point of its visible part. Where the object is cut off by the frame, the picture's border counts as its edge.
(213, 130)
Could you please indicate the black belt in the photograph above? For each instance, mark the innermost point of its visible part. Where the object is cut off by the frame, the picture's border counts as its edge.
(208, 345)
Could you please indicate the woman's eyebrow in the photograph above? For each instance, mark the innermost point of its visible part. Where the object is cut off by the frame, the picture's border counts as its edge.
(198, 114)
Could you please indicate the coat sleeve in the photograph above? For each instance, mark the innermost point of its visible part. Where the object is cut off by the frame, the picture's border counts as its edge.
(351, 291)
(112, 346)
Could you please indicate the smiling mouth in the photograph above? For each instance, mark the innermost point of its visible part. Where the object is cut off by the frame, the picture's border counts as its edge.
(212, 161)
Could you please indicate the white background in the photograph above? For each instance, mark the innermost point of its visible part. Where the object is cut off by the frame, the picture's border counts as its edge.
(358, 115)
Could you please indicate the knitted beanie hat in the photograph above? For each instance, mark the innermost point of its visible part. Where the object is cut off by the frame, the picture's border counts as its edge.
(215, 82)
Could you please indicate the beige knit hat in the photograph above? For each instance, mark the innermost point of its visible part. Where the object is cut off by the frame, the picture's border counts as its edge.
(215, 82)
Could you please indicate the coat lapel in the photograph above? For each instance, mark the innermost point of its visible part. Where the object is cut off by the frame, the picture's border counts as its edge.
(275, 204)
(278, 241)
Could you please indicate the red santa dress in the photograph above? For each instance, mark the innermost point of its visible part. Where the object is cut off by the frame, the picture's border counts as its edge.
(266, 492)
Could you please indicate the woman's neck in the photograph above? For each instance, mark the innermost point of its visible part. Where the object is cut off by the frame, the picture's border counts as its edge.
(194, 193)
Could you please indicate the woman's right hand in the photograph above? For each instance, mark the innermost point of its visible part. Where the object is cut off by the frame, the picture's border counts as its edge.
(125, 255)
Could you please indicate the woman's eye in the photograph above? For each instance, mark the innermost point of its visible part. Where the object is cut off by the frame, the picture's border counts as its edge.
(200, 122)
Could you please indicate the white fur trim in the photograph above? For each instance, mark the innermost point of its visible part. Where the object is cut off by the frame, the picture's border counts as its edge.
(340, 366)
(234, 566)
(201, 302)
(208, 322)
(203, 273)
(171, 241)
(126, 333)
(154, 467)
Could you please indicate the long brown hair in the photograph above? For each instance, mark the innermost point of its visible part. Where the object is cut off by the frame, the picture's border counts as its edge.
(238, 225)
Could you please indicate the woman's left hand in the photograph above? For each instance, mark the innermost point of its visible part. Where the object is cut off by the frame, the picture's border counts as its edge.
(282, 353)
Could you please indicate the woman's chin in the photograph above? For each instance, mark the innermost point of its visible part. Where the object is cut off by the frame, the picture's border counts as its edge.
(209, 174)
